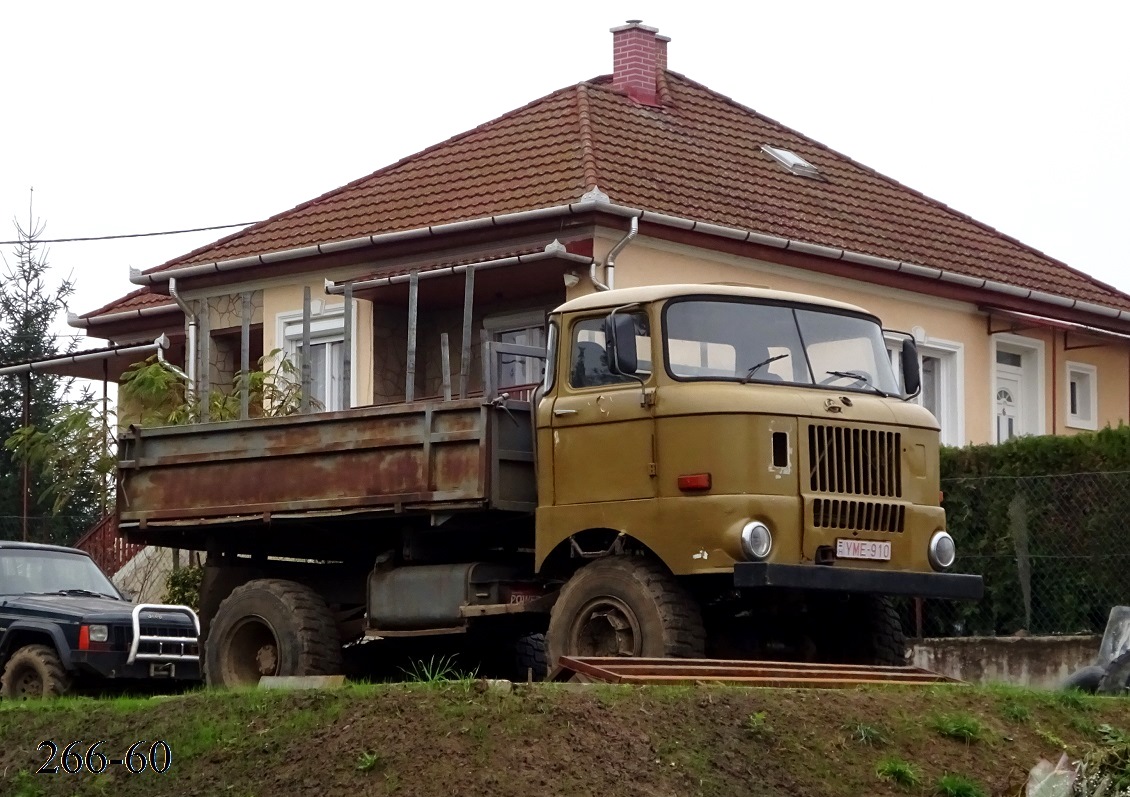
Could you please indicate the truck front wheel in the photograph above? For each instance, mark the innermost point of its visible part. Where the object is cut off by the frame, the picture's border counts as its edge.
(625, 606)
(34, 671)
(271, 627)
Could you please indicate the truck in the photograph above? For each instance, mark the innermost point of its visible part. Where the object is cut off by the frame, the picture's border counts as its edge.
(703, 470)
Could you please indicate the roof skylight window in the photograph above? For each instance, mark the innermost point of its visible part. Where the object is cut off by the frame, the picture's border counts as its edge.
(791, 161)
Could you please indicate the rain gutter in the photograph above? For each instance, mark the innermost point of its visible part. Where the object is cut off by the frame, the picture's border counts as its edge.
(338, 288)
(600, 205)
(40, 366)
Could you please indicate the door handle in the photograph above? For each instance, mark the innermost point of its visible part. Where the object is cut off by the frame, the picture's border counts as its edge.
(564, 412)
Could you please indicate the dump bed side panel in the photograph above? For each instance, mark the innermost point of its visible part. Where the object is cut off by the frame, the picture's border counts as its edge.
(420, 456)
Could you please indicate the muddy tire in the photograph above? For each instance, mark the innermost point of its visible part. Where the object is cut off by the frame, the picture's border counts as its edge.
(1085, 679)
(625, 606)
(34, 672)
(530, 657)
(863, 629)
(271, 627)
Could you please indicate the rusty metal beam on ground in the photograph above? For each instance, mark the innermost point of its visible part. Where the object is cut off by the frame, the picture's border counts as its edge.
(740, 673)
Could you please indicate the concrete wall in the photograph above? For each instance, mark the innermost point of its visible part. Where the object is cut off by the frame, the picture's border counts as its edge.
(1042, 662)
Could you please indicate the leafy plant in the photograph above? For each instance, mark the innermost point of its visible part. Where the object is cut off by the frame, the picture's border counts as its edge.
(958, 725)
(182, 587)
(901, 773)
(368, 762)
(757, 725)
(75, 448)
(156, 396)
(959, 786)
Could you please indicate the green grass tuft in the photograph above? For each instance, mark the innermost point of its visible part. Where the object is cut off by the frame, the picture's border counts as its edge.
(901, 773)
(958, 725)
(1016, 712)
(959, 786)
(436, 671)
(869, 735)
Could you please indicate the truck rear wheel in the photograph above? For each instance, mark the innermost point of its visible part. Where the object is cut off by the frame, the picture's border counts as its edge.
(271, 627)
(34, 671)
(625, 606)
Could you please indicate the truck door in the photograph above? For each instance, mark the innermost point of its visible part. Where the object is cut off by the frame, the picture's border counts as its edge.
(603, 436)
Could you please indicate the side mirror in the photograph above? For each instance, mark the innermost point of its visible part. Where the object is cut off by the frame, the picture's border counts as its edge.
(911, 374)
(620, 337)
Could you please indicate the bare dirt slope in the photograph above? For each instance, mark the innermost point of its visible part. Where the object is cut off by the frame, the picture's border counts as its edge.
(455, 738)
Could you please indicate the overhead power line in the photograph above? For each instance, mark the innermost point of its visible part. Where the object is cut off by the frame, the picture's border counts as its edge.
(129, 235)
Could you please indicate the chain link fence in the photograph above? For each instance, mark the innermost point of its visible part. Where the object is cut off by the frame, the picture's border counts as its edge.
(53, 529)
(1054, 552)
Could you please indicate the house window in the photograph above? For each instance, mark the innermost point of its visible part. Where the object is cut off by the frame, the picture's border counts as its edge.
(1018, 392)
(326, 357)
(940, 363)
(1082, 396)
(523, 329)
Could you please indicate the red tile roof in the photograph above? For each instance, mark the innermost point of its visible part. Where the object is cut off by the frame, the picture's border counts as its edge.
(135, 300)
(696, 156)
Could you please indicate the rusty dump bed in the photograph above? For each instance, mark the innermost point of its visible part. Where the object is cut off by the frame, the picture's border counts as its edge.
(428, 456)
(619, 670)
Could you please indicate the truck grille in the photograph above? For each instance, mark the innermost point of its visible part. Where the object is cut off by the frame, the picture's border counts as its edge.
(834, 513)
(855, 461)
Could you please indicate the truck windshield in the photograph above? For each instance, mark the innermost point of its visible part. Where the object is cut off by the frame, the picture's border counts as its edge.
(28, 571)
(751, 342)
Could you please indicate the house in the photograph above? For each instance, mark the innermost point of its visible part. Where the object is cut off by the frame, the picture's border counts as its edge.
(1012, 341)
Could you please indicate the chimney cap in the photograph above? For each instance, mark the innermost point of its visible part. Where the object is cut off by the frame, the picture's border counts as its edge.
(634, 23)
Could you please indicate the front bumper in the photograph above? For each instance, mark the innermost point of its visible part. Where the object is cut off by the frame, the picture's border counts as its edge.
(954, 586)
(115, 664)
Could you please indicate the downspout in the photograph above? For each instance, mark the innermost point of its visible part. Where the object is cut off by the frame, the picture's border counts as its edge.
(610, 258)
(190, 350)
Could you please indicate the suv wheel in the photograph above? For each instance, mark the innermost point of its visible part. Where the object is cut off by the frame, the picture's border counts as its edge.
(32, 672)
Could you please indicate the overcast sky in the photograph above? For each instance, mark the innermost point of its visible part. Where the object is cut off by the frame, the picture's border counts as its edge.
(138, 117)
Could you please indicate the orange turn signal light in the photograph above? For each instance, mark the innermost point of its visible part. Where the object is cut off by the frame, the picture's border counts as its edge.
(84, 637)
(695, 481)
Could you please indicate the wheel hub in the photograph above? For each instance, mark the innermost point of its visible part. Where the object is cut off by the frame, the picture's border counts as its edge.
(267, 658)
(29, 685)
(606, 627)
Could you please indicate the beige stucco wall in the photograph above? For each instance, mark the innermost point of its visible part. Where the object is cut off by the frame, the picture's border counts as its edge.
(938, 321)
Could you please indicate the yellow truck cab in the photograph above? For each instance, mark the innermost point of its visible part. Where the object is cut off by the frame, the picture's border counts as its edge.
(745, 452)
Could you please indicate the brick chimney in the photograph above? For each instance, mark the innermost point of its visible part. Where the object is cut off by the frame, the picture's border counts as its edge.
(638, 53)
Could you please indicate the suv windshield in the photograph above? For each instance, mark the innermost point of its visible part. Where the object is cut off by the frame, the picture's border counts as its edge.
(25, 571)
(752, 342)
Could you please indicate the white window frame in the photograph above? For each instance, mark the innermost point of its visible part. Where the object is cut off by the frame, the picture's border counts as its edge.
(951, 380)
(327, 325)
(1033, 382)
(526, 319)
(1090, 374)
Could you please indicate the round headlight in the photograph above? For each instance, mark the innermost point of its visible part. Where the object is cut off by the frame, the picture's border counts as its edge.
(942, 551)
(756, 540)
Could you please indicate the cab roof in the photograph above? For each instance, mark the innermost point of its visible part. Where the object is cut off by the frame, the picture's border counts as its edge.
(653, 293)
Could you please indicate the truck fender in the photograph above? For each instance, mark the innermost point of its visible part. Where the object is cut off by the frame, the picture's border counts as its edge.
(51, 630)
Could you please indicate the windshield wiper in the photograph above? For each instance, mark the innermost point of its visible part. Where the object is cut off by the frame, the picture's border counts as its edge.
(78, 591)
(860, 378)
(753, 370)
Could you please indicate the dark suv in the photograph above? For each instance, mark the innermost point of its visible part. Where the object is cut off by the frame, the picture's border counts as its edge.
(63, 621)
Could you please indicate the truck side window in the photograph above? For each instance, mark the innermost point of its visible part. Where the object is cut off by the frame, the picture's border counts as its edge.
(589, 359)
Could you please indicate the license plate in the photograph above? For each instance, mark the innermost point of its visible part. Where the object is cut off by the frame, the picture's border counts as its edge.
(863, 549)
